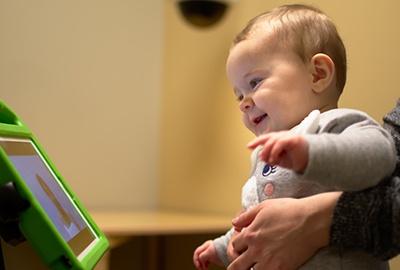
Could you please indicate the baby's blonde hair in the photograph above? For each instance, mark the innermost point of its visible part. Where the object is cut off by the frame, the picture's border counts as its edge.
(306, 30)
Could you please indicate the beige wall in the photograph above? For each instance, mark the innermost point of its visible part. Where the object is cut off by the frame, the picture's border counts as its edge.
(197, 156)
(86, 77)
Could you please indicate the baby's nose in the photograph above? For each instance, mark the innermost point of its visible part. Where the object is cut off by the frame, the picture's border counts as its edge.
(246, 104)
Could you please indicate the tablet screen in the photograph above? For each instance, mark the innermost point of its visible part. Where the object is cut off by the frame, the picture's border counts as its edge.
(51, 194)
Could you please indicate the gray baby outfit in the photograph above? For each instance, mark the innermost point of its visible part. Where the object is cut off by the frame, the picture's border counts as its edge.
(348, 151)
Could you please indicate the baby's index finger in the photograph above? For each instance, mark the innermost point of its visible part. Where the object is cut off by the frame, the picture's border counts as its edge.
(256, 142)
(252, 145)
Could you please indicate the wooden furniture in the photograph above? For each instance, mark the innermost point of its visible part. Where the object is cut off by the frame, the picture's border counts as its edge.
(122, 226)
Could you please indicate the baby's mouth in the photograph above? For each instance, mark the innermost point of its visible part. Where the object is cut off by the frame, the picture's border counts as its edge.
(258, 119)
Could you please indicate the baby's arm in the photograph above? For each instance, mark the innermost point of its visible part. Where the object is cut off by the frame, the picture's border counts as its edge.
(283, 148)
(349, 152)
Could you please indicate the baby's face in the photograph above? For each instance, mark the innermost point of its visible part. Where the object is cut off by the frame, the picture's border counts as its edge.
(272, 84)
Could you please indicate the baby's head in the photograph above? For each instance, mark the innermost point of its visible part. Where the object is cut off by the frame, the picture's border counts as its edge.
(284, 64)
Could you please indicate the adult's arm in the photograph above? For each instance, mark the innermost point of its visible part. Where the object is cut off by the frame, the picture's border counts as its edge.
(369, 220)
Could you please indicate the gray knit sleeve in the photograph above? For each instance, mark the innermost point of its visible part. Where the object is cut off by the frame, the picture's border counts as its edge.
(369, 220)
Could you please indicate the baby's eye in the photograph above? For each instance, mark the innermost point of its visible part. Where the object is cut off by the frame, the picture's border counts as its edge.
(239, 98)
(255, 82)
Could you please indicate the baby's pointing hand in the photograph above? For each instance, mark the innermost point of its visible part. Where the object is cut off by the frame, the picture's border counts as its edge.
(284, 149)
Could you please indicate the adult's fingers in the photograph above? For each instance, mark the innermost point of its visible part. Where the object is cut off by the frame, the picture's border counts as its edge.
(232, 254)
(244, 262)
(244, 219)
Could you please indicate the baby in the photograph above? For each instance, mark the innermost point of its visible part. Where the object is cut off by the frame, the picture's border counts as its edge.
(288, 69)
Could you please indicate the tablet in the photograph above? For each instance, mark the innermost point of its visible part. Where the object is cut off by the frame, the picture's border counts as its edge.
(55, 223)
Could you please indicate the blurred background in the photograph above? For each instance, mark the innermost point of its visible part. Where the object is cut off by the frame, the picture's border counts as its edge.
(132, 103)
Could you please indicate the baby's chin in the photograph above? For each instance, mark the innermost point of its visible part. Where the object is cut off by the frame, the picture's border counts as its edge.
(261, 131)
(263, 128)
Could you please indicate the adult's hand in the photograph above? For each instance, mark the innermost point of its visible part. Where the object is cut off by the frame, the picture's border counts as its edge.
(283, 233)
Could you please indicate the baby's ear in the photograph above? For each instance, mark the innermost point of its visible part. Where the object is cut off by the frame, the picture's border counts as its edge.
(323, 72)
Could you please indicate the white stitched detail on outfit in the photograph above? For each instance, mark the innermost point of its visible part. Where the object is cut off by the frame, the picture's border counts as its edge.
(309, 124)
